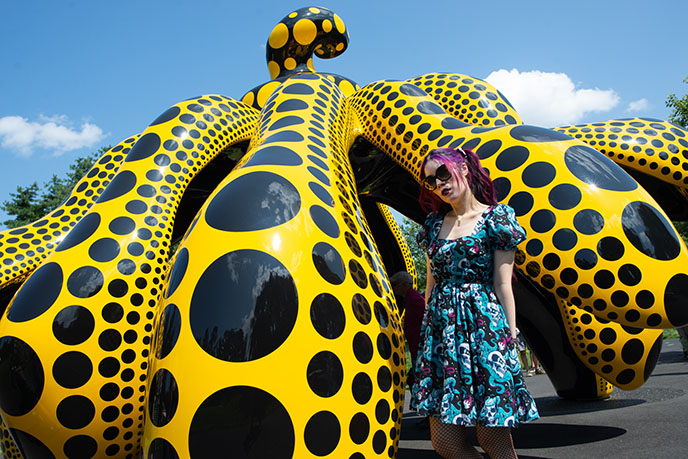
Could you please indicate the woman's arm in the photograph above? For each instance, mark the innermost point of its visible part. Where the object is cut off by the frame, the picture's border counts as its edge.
(430, 280)
(503, 268)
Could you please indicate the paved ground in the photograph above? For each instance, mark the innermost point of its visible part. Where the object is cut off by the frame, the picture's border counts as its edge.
(648, 422)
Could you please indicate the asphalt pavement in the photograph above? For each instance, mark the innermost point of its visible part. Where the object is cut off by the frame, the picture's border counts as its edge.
(649, 422)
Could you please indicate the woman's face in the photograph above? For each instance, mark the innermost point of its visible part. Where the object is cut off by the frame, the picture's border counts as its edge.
(450, 181)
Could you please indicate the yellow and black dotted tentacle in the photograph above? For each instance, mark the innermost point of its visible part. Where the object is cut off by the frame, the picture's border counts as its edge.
(290, 313)
(650, 146)
(23, 249)
(257, 96)
(469, 99)
(298, 35)
(80, 326)
(596, 238)
(624, 356)
(401, 241)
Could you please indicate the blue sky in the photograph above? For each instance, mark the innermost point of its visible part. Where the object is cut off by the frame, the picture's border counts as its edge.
(78, 75)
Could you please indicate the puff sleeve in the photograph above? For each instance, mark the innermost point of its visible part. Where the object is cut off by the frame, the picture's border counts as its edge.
(424, 236)
(504, 231)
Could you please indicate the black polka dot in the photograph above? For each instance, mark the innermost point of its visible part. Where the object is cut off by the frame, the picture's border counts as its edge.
(112, 312)
(257, 286)
(588, 221)
(274, 155)
(108, 367)
(75, 412)
(161, 449)
(37, 294)
(109, 340)
(169, 114)
(146, 146)
(82, 231)
(297, 88)
(325, 374)
(171, 324)
(80, 447)
(73, 325)
(382, 411)
(253, 424)
(121, 225)
(384, 346)
(384, 379)
(649, 231)
(327, 316)
(163, 399)
(630, 274)
(72, 369)
(593, 168)
(528, 133)
(321, 193)
(363, 347)
(178, 271)
(85, 282)
(604, 278)
(328, 263)
(124, 182)
(489, 148)
(19, 390)
(625, 376)
(521, 202)
(675, 300)
(585, 259)
(361, 309)
(512, 158)
(610, 248)
(430, 108)
(538, 174)
(263, 199)
(565, 196)
(324, 221)
(359, 428)
(322, 433)
(362, 388)
(542, 221)
(104, 250)
(379, 441)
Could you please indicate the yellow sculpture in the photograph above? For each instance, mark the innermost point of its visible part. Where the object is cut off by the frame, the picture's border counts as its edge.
(272, 331)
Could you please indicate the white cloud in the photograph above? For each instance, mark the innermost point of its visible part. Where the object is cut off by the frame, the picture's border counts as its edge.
(638, 105)
(50, 133)
(550, 99)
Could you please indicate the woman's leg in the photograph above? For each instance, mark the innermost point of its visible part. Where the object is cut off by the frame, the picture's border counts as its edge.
(497, 442)
(450, 441)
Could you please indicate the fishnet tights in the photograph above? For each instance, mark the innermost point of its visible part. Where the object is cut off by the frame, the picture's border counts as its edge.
(450, 441)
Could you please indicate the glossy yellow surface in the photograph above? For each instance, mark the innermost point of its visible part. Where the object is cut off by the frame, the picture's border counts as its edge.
(140, 354)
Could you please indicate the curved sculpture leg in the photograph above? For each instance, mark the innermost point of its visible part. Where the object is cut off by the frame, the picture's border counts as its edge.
(80, 326)
(23, 249)
(290, 312)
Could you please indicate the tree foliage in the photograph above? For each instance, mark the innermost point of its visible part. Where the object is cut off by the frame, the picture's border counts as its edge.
(32, 202)
(409, 229)
(679, 108)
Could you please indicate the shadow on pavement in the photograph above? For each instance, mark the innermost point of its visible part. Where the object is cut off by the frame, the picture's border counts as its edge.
(555, 406)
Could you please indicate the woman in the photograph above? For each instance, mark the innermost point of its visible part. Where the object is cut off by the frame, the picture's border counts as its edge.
(467, 371)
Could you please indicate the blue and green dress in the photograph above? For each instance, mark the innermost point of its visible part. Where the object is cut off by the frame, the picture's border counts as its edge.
(467, 369)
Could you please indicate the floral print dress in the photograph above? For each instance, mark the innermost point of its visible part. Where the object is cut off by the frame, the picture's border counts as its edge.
(467, 369)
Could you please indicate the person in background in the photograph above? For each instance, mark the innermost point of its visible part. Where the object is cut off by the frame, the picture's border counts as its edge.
(414, 305)
(534, 367)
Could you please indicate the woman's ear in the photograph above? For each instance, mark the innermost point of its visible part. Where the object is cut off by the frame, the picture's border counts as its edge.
(464, 169)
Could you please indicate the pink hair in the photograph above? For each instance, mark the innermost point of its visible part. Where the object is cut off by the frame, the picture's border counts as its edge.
(478, 180)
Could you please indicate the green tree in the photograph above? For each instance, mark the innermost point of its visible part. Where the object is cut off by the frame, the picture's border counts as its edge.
(409, 229)
(30, 203)
(679, 108)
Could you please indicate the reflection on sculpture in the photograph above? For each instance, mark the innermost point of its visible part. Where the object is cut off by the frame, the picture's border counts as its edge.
(273, 330)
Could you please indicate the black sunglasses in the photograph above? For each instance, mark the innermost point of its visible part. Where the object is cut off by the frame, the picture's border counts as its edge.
(442, 173)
